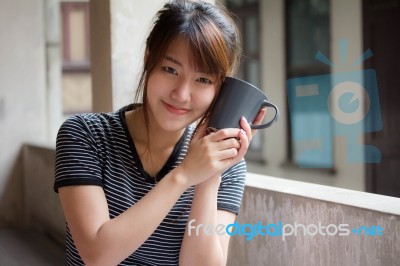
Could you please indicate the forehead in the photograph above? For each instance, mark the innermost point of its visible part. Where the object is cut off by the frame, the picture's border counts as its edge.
(178, 47)
(181, 50)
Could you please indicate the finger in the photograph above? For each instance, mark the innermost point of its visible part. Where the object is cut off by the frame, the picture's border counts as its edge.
(259, 118)
(244, 144)
(246, 127)
(222, 134)
(227, 144)
(226, 154)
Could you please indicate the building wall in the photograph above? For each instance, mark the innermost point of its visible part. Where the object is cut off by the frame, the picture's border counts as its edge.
(22, 95)
(76, 93)
(130, 25)
(346, 18)
(126, 57)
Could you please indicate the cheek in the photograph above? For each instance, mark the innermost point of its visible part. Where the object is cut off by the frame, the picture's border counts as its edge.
(153, 85)
(205, 98)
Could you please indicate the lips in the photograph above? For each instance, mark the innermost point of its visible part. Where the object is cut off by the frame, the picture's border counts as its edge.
(175, 110)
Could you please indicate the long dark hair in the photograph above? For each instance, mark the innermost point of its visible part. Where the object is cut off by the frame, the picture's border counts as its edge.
(211, 33)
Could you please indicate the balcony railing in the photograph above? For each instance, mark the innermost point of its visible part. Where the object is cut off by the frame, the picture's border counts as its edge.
(327, 214)
(343, 227)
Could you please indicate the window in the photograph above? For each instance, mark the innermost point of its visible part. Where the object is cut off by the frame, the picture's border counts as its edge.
(248, 23)
(75, 31)
(307, 32)
(76, 77)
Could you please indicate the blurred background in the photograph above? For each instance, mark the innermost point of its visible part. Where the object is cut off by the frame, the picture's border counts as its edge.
(64, 57)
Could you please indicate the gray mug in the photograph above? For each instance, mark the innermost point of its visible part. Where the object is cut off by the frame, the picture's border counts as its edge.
(239, 98)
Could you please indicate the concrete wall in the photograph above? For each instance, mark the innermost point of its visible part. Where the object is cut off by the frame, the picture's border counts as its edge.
(118, 33)
(271, 200)
(22, 95)
(42, 212)
(76, 93)
(53, 101)
(30, 102)
(130, 25)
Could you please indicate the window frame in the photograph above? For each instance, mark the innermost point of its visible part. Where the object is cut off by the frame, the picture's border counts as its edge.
(241, 14)
(313, 69)
(68, 65)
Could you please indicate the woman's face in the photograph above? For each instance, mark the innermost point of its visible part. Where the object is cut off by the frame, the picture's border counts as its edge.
(179, 93)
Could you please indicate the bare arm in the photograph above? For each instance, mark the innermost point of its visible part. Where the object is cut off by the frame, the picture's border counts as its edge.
(104, 241)
(202, 247)
(212, 249)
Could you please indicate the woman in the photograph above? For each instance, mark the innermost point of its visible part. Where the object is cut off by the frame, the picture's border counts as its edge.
(130, 181)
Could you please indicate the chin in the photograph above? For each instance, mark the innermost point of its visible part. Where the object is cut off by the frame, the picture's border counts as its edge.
(172, 126)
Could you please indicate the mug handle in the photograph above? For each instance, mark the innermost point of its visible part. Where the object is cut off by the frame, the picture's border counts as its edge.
(265, 103)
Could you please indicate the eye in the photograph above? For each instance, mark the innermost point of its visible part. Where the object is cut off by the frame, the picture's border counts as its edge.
(170, 70)
(204, 80)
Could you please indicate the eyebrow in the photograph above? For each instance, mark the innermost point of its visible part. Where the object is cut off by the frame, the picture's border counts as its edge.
(173, 60)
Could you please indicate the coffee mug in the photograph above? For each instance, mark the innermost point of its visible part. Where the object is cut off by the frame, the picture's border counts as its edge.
(239, 98)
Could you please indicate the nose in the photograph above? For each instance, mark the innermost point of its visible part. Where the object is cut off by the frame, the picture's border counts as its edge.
(182, 91)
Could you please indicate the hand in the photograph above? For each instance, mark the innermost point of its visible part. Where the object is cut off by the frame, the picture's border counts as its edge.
(248, 132)
(244, 143)
(210, 155)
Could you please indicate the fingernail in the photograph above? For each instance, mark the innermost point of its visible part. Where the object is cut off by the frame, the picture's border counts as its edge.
(244, 118)
(242, 132)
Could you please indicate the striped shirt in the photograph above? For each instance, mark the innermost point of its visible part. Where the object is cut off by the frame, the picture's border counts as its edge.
(97, 149)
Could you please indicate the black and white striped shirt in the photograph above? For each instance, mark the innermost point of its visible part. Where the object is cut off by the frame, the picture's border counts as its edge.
(96, 149)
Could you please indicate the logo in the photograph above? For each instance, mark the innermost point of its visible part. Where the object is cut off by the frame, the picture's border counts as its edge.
(322, 107)
(249, 231)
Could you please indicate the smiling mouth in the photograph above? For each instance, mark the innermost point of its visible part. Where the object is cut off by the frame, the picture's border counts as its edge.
(175, 110)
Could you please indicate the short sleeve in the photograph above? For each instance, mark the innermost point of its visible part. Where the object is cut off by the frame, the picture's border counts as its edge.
(77, 157)
(231, 189)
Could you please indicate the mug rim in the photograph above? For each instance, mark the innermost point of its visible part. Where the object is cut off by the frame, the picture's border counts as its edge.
(241, 80)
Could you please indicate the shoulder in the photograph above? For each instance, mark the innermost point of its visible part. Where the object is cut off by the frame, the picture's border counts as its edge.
(91, 119)
(93, 123)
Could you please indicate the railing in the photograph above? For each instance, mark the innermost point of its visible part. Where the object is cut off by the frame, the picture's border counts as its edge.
(327, 214)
